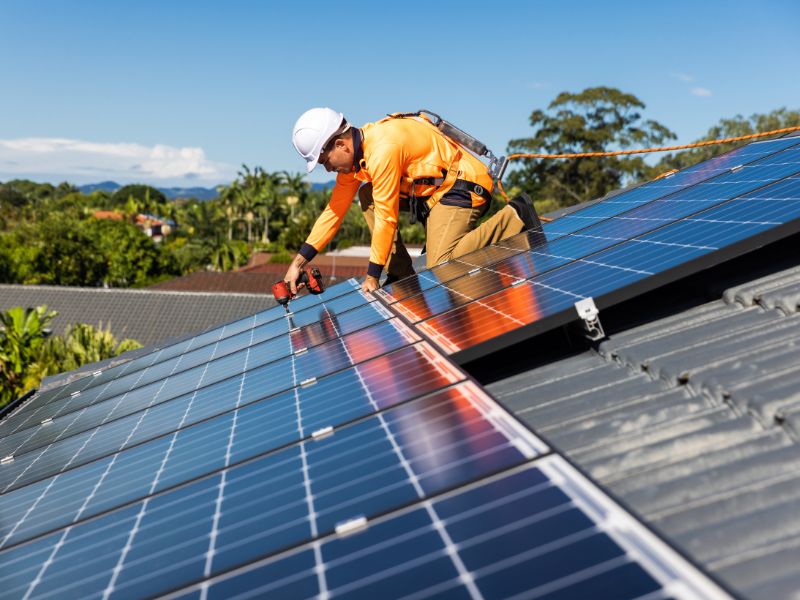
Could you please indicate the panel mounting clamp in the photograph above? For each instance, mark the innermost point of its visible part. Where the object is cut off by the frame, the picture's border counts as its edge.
(589, 314)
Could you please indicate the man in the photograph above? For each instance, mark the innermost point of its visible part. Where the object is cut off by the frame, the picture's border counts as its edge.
(399, 158)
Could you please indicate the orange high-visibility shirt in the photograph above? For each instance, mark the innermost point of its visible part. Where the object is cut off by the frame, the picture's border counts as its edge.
(396, 151)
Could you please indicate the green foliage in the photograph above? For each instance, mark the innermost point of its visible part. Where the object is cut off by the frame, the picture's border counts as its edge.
(595, 120)
(82, 344)
(281, 257)
(227, 255)
(733, 127)
(62, 252)
(22, 334)
(142, 198)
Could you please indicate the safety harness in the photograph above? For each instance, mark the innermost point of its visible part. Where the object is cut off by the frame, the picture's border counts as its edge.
(420, 206)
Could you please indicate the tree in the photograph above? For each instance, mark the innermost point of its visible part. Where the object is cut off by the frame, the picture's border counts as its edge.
(145, 196)
(595, 120)
(733, 127)
(82, 344)
(131, 258)
(66, 254)
(22, 333)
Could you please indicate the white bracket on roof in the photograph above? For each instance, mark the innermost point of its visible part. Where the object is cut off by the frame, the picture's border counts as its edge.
(589, 314)
(7, 460)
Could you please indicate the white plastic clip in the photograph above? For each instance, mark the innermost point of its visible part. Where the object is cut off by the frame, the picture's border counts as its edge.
(301, 351)
(293, 329)
(473, 271)
(518, 282)
(322, 433)
(73, 394)
(47, 421)
(736, 168)
(351, 526)
(589, 314)
(308, 382)
(97, 374)
(7, 460)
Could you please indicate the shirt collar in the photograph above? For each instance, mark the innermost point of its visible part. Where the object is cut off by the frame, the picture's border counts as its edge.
(358, 149)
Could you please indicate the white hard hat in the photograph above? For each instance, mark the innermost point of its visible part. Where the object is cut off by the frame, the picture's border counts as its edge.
(312, 131)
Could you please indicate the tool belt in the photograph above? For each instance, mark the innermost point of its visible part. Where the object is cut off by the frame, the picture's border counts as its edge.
(420, 207)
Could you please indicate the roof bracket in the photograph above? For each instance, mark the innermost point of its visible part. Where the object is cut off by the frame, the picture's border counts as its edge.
(590, 316)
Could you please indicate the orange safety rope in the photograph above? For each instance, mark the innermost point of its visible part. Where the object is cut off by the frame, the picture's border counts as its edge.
(645, 150)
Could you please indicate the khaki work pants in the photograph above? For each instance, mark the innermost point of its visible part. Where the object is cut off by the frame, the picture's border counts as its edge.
(450, 232)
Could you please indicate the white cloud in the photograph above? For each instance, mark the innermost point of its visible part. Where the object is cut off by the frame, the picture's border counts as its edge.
(682, 77)
(700, 91)
(81, 161)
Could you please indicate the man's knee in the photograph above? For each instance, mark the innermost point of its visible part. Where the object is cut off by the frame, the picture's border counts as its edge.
(365, 196)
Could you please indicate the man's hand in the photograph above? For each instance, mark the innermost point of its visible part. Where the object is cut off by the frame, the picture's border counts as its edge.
(370, 284)
(294, 272)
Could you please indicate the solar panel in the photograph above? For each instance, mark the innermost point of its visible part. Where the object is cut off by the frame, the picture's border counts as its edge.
(622, 202)
(265, 504)
(271, 323)
(537, 531)
(124, 456)
(533, 291)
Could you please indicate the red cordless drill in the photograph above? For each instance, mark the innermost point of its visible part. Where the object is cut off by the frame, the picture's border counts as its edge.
(310, 277)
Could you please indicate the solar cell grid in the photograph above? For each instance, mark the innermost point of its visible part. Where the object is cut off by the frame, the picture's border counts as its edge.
(221, 341)
(254, 509)
(683, 181)
(318, 328)
(261, 426)
(261, 381)
(483, 281)
(535, 531)
(718, 228)
(585, 217)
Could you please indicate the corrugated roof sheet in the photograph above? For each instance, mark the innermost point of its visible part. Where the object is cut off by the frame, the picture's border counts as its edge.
(694, 422)
(147, 316)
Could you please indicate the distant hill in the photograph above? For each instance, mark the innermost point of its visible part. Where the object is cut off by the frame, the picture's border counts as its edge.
(200, 193)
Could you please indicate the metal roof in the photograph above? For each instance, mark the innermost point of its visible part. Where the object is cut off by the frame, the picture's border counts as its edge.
(144, 315)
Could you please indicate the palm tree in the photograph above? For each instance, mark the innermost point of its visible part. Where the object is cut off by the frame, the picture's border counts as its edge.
(296, 187)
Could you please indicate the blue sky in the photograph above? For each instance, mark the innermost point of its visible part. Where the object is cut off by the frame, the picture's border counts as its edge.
(183, 92)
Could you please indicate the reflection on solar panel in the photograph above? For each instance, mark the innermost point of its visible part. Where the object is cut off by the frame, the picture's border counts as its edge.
(660, 188)
(332, 452)
(609, 253)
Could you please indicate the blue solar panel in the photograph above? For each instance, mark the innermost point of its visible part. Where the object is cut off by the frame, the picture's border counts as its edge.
(269, 323)
(228, 353)
(264, 504)
(775, 207)
(711, 172)
(120, 461)
(530, 533)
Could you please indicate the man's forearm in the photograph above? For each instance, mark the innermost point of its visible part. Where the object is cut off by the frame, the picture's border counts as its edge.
(299, 261)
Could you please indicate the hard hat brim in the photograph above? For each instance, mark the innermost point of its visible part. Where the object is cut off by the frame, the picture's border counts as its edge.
(311, 164)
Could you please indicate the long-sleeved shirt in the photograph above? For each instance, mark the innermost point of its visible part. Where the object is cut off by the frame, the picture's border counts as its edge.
(392, 154)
